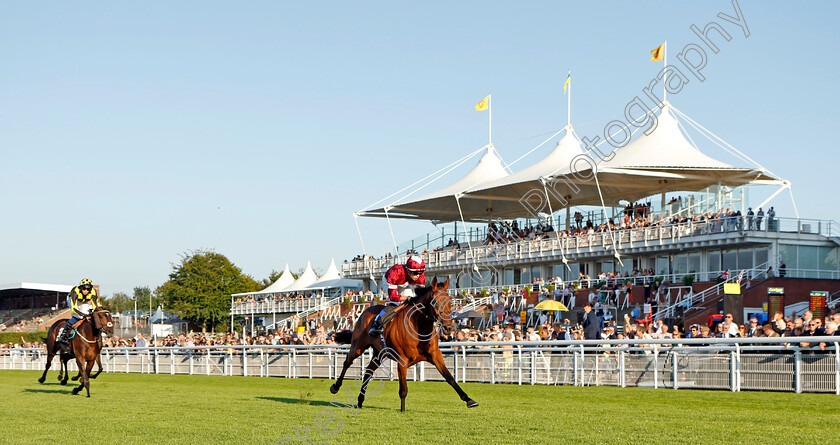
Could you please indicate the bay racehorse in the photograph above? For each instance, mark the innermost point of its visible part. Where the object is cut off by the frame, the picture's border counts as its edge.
(85, 346)
(411, 337)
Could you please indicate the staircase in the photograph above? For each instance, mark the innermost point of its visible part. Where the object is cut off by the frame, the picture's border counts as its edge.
(833, 300)
(698, 300)
(316, 309)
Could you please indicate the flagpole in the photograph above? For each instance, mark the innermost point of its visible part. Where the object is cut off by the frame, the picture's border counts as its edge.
(490, 114)
(665, 77)
(569, 113)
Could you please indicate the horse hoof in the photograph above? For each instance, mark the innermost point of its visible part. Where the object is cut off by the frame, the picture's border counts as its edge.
(75, 378)
(333, 389)
(63, 382)
(41, 380)
(471, 403)
(75, 391)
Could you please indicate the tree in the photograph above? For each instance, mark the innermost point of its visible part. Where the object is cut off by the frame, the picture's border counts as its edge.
(118, 302)
(199, 288)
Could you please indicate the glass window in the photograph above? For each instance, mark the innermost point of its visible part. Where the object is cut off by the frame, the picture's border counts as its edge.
(714, 261)
(787, 253)
(464, 280)
(760, 257)
(680, 264)
(828, 258)
(729, 260)
(536, 272)
(661, 265)
(745, 259)
(693, 263)
(807, 257)
(525, 276)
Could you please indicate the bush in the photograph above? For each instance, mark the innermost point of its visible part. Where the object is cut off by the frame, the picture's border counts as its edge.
(347, 301)
(549, 287)
(688, 280)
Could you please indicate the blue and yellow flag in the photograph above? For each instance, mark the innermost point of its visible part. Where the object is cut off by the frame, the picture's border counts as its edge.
(481, 106)
(566, 85)
(658, 54)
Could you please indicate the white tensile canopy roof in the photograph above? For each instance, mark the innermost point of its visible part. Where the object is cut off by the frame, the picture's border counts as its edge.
(663, 161)
(442, 205)
(332, 279)
(286, 279)
(305, 279)
(504, 196)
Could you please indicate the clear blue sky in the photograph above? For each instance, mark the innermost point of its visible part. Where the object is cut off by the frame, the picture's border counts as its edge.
(131, 133)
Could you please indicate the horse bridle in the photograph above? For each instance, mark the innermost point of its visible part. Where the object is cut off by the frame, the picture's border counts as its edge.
(437, 317)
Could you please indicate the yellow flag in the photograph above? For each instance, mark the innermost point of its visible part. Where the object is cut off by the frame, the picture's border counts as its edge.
(658, 54)
(481, 106)
(566, 85)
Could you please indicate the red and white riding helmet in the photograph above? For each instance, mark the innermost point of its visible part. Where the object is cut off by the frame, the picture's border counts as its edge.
(415, 264)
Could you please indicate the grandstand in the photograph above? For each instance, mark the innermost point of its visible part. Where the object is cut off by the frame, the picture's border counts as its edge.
(498, 233)
(23, 303)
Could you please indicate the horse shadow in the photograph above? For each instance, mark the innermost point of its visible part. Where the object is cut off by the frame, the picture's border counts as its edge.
(305, 402)
(49, 391)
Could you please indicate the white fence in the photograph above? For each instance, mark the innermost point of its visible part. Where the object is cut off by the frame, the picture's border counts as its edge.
(767, 364)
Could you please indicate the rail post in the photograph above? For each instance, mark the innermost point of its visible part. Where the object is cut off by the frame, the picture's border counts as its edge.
(533, 367)
(655, 366)
(797, 371)
(837, 368)
(492, 367)
(621, 371)
(675, 368)
(464, 365)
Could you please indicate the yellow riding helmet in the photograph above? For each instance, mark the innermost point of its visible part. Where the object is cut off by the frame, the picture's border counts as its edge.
(86, 283)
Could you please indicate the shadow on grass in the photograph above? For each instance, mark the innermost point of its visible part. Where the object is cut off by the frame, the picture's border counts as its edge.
(308, 402)
(50, 391)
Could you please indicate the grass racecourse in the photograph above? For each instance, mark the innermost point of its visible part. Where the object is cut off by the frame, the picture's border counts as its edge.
(144, 409)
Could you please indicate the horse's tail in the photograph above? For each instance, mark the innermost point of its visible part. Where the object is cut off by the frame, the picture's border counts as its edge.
(344, 337)
(44, 339)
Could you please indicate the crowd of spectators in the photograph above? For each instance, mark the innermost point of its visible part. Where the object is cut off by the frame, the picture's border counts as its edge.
(16, 324)
(635, 216)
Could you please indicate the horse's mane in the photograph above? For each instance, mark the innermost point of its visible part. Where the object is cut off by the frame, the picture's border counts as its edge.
(421, 293)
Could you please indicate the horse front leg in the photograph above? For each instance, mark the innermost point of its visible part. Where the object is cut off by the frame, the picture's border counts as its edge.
(436, 359)
(81, 365)
(86, 376)
(367, 376)
(99, 366)
(352, 355)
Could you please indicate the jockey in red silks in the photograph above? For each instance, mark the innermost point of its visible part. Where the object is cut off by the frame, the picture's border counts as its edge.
(400, 279)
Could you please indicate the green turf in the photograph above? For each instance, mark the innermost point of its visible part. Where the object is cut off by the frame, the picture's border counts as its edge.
(142, 409)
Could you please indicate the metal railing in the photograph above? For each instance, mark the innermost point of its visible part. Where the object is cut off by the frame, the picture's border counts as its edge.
(733, 364)
(269, 305)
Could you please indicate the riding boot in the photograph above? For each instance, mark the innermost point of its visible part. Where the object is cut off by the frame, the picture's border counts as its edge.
(376, 327)
(62, 338)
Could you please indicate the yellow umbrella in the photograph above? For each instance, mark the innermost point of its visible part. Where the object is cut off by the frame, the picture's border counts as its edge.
(551, 305)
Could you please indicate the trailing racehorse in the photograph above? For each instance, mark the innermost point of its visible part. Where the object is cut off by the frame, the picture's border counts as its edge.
(85, 346)
(411, 337)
